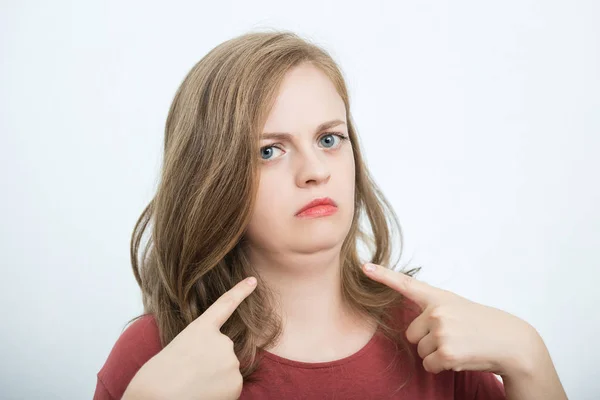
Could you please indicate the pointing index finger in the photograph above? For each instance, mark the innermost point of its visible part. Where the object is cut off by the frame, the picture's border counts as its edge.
(417, 291)
(220, 311)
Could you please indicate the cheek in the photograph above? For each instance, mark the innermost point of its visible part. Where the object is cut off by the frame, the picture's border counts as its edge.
(270, 215)
(272, 195)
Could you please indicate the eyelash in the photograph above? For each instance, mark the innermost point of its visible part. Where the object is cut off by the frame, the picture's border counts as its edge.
(338, 134)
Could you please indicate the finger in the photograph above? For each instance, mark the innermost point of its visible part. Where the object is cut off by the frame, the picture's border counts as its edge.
(220, 311)
(433, 363)
(418, 329)
(417, 291)
(426, 346)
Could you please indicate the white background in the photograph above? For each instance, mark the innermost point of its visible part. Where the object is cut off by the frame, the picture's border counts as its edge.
(480, 121)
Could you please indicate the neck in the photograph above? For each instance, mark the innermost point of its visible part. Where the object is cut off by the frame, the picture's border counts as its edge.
(308, 290)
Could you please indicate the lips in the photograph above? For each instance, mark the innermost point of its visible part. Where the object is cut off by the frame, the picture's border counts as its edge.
(323, 201)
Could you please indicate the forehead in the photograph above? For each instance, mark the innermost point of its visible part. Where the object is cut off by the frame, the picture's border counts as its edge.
(306, 98)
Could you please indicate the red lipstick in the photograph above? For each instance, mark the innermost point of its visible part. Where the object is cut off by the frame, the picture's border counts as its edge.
(320, 207)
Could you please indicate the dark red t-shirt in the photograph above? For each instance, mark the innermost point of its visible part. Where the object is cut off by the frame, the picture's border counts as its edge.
(363, 375)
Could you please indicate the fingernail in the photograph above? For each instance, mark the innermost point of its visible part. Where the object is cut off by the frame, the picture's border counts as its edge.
(251, 281)
(370, 268)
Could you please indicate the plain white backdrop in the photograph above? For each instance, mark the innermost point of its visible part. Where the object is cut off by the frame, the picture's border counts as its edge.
(480, 122)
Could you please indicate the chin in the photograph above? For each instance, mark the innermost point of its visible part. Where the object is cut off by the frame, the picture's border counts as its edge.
(321, 236)
(315, 245)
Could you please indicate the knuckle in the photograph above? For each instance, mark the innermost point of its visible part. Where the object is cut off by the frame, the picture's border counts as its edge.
(438, 334)
(227, 341)
(411, 336)
(406, 284)
(224, 343)
(436, 314)
(228, 299)
(446, 354)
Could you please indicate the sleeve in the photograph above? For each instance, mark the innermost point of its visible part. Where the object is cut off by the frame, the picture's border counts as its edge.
(478, 385)
(136, 345)
(101, 392)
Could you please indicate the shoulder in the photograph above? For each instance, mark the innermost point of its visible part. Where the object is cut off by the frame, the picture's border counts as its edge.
(138, 343)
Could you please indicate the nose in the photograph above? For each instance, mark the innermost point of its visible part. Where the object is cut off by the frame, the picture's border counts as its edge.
(313, 168)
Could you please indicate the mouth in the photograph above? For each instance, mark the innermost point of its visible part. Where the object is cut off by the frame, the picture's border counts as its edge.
(320, 207)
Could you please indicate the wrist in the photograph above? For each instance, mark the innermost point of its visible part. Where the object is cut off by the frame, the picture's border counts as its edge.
(529, 352)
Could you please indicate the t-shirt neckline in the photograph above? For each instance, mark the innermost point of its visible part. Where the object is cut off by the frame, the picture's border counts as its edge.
(324, 364)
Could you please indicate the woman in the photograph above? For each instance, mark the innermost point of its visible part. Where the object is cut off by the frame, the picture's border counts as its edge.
(252, 283)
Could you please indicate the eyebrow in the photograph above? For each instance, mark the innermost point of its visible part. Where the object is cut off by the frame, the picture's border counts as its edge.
(287, 136)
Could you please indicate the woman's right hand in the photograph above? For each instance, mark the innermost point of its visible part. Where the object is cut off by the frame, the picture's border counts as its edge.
(199, 363)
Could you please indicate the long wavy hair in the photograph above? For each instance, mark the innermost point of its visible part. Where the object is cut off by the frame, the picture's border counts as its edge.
(196, 248)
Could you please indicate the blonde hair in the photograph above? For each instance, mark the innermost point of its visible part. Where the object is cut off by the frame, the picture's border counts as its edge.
(196, 250)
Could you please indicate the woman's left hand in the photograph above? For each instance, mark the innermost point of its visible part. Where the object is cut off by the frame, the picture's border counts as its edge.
(454, 333)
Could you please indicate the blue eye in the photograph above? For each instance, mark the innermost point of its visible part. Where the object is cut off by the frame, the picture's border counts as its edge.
(267, 151)
(330, 139)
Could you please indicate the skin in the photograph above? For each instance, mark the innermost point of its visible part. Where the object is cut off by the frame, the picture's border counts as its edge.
(454, 333)
(300, 258)
(200, 362)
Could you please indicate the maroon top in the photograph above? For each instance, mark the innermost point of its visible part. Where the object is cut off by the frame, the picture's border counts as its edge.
(366, 374)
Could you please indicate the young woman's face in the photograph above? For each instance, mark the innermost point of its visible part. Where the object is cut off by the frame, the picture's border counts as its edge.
(307, 161)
